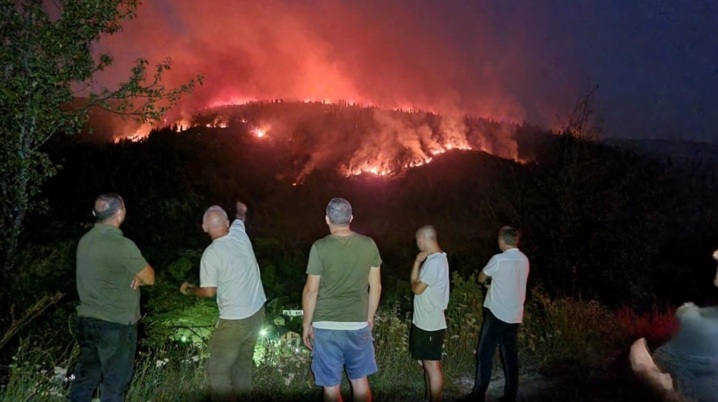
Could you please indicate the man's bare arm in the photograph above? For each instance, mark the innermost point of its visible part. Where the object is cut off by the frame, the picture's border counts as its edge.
(190, 289)
(483, 277)
(660, 383)
(417, 286)
(309, 304)
(374, 293)
(146, 277)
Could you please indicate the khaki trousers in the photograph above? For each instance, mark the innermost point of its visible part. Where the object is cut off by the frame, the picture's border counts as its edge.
(231, 357)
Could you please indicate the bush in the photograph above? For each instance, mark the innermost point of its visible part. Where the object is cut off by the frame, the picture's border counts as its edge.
(170, 366)
(567, 330)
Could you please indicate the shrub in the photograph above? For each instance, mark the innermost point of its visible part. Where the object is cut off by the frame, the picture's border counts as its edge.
(170, 366)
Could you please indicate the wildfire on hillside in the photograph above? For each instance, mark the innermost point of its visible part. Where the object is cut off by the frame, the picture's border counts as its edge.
(277, 49)
(260, 130)
(354, 140)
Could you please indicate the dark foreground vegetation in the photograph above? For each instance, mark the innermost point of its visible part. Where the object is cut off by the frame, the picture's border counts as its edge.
(616, 238)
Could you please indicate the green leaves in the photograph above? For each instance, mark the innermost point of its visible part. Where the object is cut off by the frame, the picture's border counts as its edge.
(46, 57)
(142, 99)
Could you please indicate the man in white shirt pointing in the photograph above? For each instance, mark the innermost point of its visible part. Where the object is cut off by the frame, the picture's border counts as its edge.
(230, 273)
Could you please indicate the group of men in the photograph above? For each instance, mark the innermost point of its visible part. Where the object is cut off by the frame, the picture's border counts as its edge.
(339, 301)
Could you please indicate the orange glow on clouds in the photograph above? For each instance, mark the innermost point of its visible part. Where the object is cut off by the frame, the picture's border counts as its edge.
(361, 53)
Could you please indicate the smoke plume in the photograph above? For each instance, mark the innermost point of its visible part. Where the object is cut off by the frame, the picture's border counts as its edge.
(444, 57)
(451, 59)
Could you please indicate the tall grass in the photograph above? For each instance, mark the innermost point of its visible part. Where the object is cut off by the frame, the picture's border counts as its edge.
(556, 332)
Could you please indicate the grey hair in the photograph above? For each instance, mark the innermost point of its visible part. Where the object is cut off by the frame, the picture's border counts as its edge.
(214, 209)
(107, 205)
(339, 211)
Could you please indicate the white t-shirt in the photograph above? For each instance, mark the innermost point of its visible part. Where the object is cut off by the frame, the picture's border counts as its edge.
(229, 265)
(429, 306)
(507, 293)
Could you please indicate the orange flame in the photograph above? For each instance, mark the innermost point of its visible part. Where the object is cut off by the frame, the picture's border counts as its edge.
(400, 143)
(218, 122)
(260, 130)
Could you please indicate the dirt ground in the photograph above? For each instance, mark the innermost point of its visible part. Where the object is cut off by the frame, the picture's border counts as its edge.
(611, 381)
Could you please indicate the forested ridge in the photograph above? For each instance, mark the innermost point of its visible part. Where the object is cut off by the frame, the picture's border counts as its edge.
(625, 227)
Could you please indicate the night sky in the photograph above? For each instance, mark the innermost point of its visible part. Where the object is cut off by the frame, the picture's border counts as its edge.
(656, 62)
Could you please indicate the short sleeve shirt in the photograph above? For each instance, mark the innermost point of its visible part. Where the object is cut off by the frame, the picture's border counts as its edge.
(697, 334)
(429, 306)
(107, 262)
(509, 272)
(229, 264)
(344, 263)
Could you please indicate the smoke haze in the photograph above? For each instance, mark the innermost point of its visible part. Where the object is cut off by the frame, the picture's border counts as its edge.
(409, 55)
(656, 62)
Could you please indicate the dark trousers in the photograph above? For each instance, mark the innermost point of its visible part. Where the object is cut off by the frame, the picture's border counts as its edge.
(495, 332)
(107, 356)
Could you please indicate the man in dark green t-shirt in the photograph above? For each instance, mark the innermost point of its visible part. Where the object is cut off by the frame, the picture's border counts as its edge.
(110, 270)
(340, 298)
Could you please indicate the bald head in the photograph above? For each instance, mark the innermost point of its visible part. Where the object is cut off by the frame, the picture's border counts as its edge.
(215, 221)
(426, 232)
(426, 239)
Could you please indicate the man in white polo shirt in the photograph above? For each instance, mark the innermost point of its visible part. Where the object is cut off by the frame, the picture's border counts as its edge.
(503, 312)
(229, 272)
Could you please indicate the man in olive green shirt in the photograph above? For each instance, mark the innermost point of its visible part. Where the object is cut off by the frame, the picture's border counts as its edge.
(110, 270)
(340, 298)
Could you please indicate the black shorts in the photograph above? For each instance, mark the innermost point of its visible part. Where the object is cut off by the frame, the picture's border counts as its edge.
(426, 345)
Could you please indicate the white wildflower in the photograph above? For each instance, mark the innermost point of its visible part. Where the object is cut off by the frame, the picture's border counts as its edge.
(289, 379)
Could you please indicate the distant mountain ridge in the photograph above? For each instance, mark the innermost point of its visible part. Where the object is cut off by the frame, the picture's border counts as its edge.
(678, 150)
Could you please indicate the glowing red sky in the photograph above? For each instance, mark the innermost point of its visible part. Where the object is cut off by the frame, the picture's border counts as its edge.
(505, 60)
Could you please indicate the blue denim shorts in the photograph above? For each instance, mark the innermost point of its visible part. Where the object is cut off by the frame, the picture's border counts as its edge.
(336, 349)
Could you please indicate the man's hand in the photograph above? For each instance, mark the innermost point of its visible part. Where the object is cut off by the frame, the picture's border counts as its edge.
(715, 254)
(136, 283)
(371, 323)
(642, 364)
(241, 211)
(421, 257)
(186, 288)
(308, 336)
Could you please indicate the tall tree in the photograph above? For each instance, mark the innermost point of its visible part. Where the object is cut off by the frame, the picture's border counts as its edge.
(47, 58)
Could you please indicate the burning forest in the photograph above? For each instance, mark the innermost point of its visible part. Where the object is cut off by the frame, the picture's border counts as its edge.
(376, 94)
(347, 138)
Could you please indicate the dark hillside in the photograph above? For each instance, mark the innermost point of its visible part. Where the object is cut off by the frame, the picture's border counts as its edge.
(599, 221)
